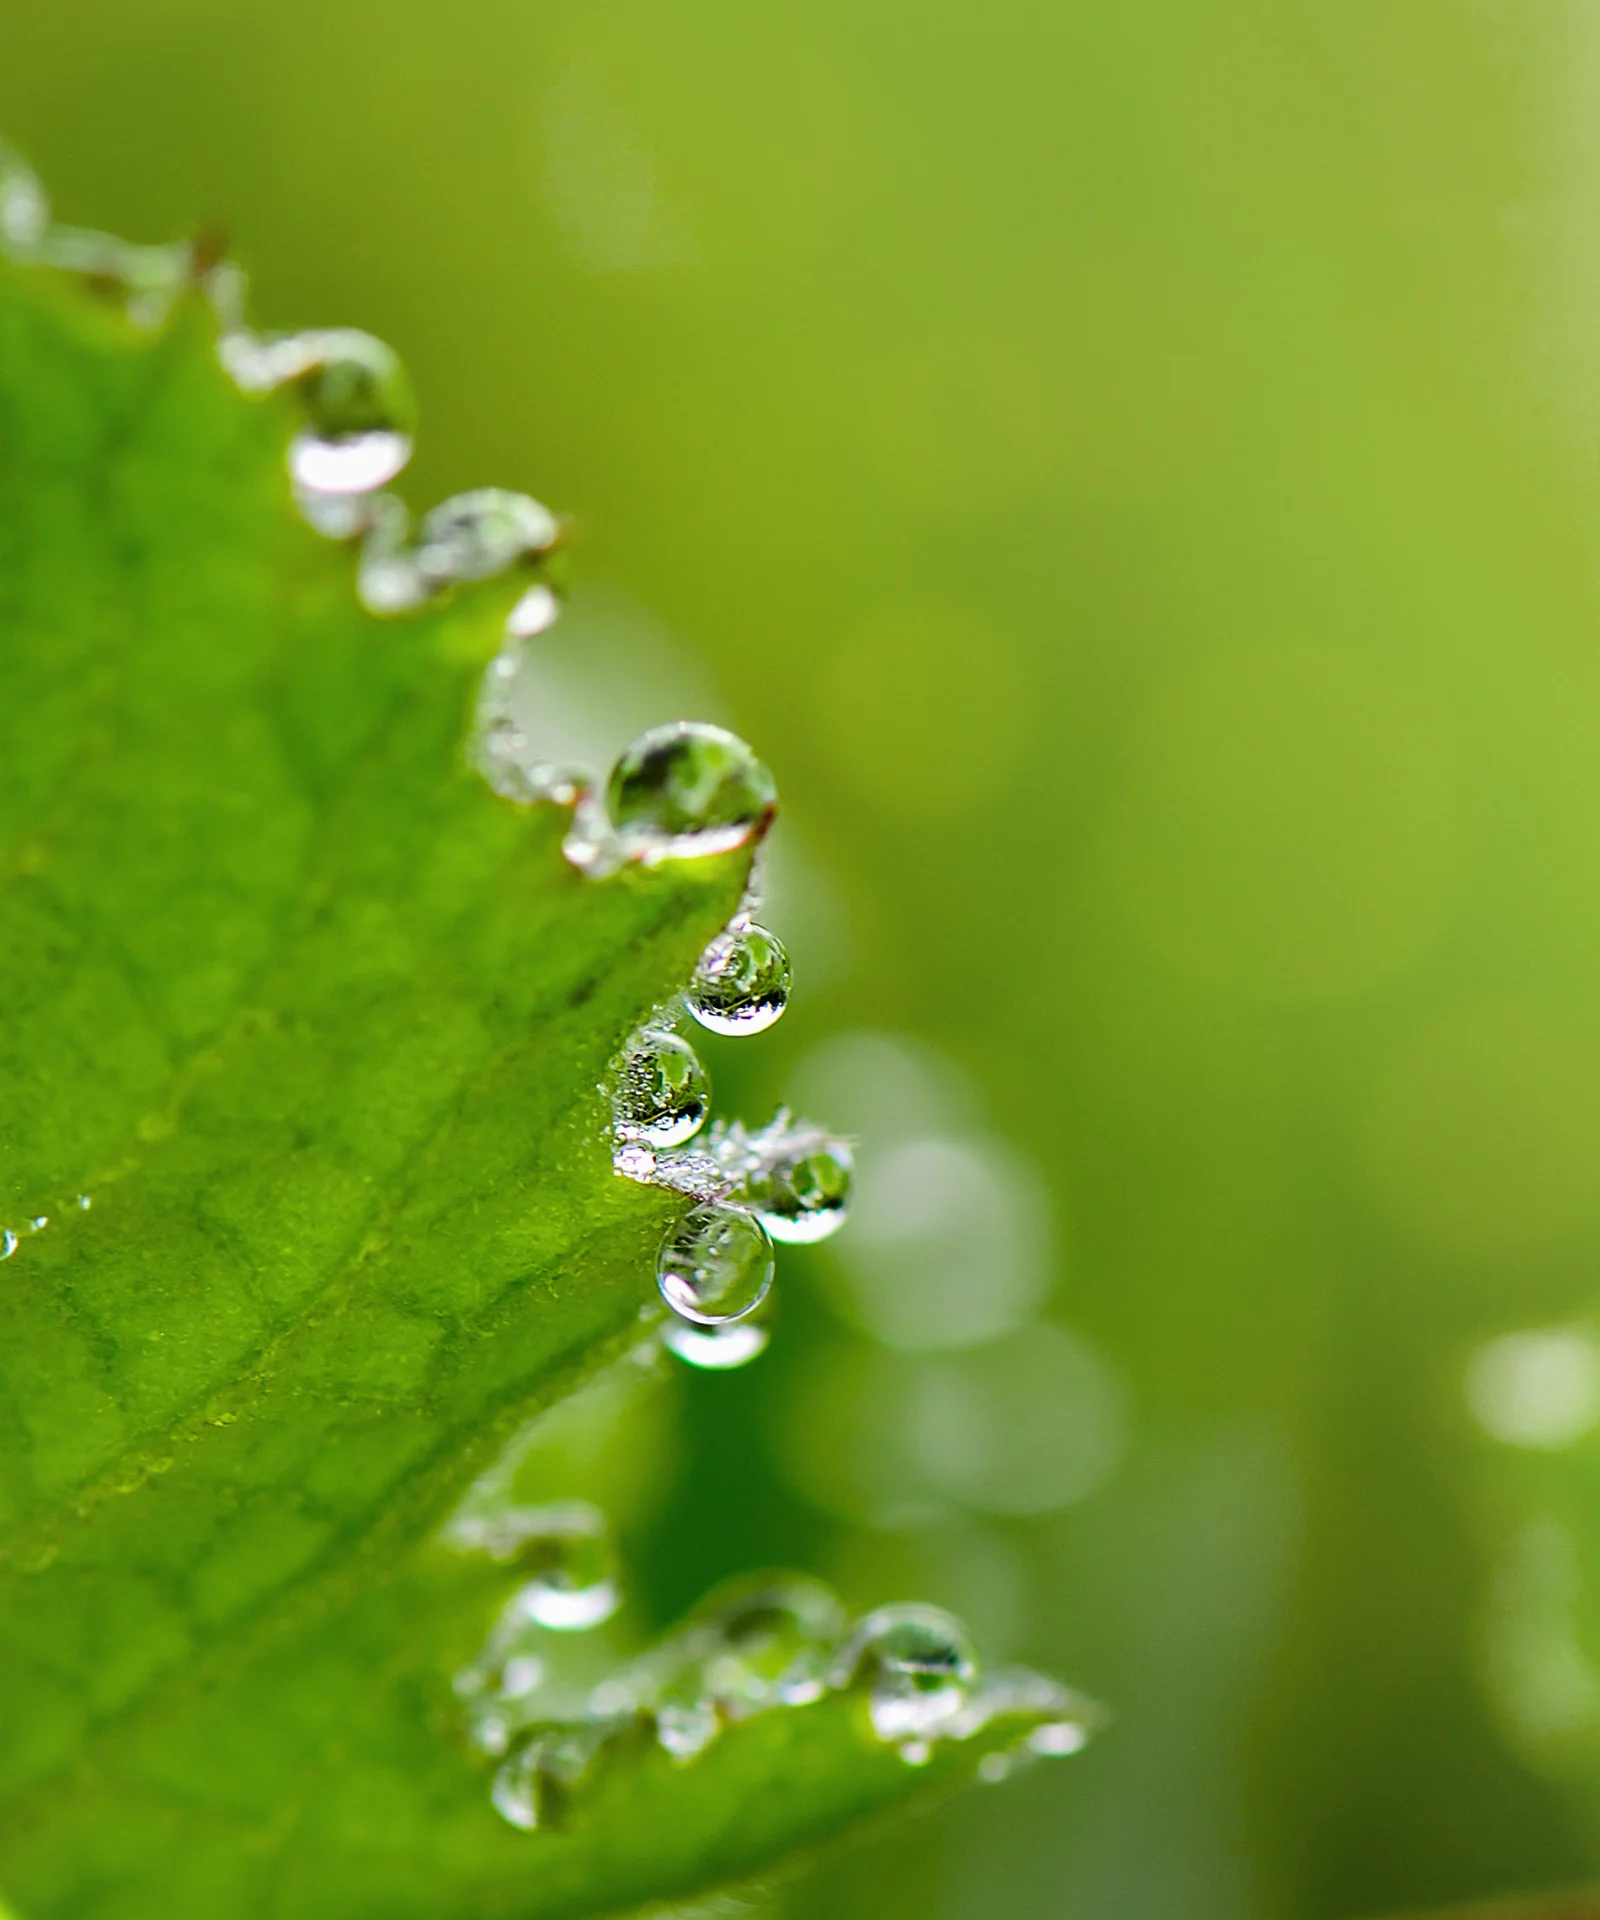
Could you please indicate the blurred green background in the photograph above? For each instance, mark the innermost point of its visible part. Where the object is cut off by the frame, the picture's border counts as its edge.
(1131, 469)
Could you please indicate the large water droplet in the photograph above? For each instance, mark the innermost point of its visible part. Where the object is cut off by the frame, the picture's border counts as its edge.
(686, 790)
(802, 1193)
(715, 1265)
(359, 413)
(662, 1093)
(716, 1349)
(741, 984)
(474, 536)
(921, 1665)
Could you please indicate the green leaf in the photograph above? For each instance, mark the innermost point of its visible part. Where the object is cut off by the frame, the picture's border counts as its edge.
(309, 1175)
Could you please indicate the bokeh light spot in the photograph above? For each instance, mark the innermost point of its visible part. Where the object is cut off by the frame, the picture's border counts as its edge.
(1485, 1136)
(926, 708)
(1289, 823)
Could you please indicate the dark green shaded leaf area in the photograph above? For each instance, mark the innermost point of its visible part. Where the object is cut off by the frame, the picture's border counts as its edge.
(302, 1030)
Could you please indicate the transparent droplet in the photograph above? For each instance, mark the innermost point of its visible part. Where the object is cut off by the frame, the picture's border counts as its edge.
(803, 1193)
(477, 535)
(389, 579)
(686, 790)
(741, 984)
(662, 1093)
(24, 209)
(84, 1202)
(336, 516)
(359, 413)
(534, 613)
(518, 1789)
(716, 1349)
(8, 1244)
(686, 1726)
(567, 1549)
(39, 1224)
(573, 1563)
(715, 1265)
(920, 1665)
(766, 1642)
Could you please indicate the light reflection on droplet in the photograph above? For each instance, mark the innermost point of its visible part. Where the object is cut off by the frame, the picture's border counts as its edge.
(716, 1349)
(920, 1666)
(741, 982)
(534, 613)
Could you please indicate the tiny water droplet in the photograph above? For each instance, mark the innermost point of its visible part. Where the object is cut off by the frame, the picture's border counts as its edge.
(388, 579)
(767, 1642)
(995, 1767)
(534, 613)
(567, 1548)
(662, 1093)
(921, 1665)
(716, 1349)
(24, 209)
(687, 790)
(741, 984)
(685, 1727)
(359, 411)
(715, 1265)
(802, 1193)
(38, 1225)
(1057, 1737)
(474, 536)
(916, 1753)
(8, 1243)
(85, 1202)
(516, 1790)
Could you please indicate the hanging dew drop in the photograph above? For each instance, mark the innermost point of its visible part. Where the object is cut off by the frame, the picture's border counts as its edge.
(567, 1549)
(920, 1665)
(662, 1092)
(684, 791)
(716, 1349)
(715, 1265)
(359, 413)
(474, 536)
(802, 1193)
(741, 984)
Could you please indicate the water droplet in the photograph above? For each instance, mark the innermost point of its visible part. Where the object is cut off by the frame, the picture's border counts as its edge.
(358, 407)
(687, 790)
(8, 1244)
(534, 613)
(24, 209)
(802, 1192)
(716, 1348)
(921, 1665)
(574, 1586)
(715, 1265)
(336, 516)
(765, 1642)
(38, 1225)
(85, 1202)
(567, 1549)
(1059, 1737)
(741, 984)
(388, 578)
(518, 1786)
(685, 1726)
(477, 535)
(662, 1093)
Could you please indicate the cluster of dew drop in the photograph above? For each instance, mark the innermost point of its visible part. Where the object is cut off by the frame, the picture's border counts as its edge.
(684, 791)
(757, 1645)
